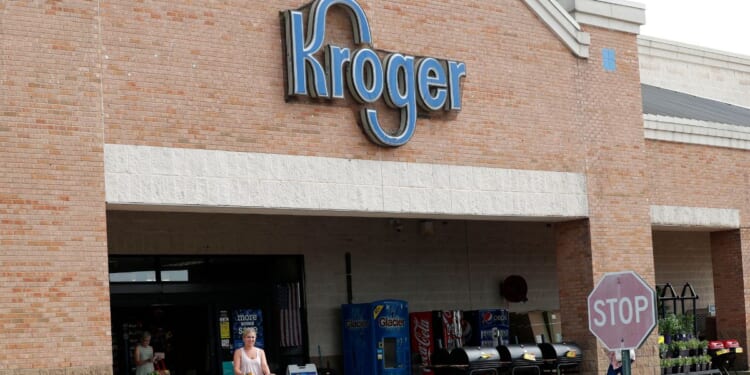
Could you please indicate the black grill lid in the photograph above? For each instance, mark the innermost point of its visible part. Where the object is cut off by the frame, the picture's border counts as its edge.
(521, 354)
(475, 357)
(562, 353)
(441, 357)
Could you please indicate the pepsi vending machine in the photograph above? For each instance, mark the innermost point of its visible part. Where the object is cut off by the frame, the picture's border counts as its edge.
(376, 338)
(487, 327)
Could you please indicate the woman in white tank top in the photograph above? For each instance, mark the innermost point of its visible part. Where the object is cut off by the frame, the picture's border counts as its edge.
(250, 360)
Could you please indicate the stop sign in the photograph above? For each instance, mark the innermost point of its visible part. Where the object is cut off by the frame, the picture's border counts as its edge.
(622, 311)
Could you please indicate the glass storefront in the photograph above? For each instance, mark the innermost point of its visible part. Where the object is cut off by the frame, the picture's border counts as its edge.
(196, 306)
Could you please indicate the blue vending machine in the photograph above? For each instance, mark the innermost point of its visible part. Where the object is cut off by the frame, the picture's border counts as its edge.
(376, 338)
(487, 327)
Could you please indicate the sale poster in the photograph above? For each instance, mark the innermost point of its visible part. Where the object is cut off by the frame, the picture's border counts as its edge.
(246, 318)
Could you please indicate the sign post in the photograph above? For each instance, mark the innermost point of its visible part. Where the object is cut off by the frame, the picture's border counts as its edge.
(622, 313)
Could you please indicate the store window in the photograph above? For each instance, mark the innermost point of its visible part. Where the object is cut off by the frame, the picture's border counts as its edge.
(132, 270)
(126, 269)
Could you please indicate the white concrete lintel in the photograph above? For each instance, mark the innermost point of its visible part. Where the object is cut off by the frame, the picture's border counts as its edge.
(156, 178)
(694, 218)
(620, 15)
(563, 25)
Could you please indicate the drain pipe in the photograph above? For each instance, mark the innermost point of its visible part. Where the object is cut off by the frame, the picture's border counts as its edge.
(348, 261)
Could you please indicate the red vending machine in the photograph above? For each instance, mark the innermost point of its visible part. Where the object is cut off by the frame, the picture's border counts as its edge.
(431, 331)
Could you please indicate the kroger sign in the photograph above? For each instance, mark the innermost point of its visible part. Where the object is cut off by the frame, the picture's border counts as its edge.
(403, 81)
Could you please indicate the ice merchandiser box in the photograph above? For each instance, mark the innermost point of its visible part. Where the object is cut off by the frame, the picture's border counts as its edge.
(376, 338)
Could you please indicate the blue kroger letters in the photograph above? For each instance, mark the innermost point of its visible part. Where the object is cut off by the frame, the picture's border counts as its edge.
(406, 81)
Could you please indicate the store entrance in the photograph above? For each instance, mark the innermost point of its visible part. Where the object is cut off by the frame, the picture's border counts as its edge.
(180, 332)
(195, 308)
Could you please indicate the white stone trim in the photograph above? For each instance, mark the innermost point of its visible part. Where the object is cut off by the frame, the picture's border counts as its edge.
(154, 178)
(694, 218)
(620, 15)
(673, 129)
(714, 74)
(682, 52)
(563, 25)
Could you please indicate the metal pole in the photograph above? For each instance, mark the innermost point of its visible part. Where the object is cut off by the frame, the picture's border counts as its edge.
(626, 362)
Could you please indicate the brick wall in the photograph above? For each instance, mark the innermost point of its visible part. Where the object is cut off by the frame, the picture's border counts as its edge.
(729, 267)
(701, 176)
(685, 257)
(697, 176)
(615, 157)
(54, 300)
(210, 75)
(573, 248)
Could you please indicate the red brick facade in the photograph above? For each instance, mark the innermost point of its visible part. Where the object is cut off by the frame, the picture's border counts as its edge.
(77, 75)
(54, 295)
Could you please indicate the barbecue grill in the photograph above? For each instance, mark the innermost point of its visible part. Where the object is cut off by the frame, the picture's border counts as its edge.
(562, 358)
(723, 354)
(523, 359)
(475, 361)
(721, 358)
(441, 357)
(441, 362)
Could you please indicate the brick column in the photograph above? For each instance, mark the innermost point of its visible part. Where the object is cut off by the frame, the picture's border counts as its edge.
(575, 280)
(619, 222)
(54, 285)
(730, 284)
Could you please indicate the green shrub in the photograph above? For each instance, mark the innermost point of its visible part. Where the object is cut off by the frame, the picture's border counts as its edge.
(693, 344)
(670, 325)
(687, 324)
(669, 362)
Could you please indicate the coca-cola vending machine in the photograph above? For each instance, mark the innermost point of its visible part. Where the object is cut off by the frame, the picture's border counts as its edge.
(433, 330)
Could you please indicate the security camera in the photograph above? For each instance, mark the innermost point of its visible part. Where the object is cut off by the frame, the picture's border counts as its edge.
(398, 226)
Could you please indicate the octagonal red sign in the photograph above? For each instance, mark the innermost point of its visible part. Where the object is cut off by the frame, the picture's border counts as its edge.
(622, 310)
